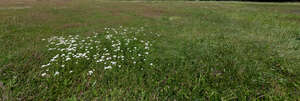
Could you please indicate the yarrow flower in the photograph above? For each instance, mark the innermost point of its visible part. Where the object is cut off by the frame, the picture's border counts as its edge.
(56, 73)
(107, 67)
(90, 72)
(116, 47)
(44, 74)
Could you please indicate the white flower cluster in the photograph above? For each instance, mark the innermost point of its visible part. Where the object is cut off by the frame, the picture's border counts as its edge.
(115, 48)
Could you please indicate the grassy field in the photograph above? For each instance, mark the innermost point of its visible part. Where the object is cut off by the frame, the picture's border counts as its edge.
(202, 50)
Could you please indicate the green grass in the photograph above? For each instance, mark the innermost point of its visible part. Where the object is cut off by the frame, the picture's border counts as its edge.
(206, 50)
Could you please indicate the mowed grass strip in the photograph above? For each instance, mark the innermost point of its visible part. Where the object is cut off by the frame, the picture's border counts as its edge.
(206, 50)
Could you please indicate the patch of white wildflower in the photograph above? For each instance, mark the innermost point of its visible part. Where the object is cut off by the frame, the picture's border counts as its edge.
(115, 48)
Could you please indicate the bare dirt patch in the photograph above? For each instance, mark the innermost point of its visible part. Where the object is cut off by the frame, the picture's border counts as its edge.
(139, 9)
(71, 25)
(295, 11)
(5, 3)
(41, 16)
(150, 11)
(22, 3)
(14, 8)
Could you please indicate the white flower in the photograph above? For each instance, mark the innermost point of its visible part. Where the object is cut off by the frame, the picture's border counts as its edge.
(101, 60)
(90, 72)
(79, 49)
(108, 36)
(56, 56)
(113, 63)
(44, 66)
(108, 58)
(67, 59)
(44, 74)
(56, 73)
(52, 60)
(108, 67)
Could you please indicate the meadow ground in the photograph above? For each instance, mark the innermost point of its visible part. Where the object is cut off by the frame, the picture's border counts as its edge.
(203, 50)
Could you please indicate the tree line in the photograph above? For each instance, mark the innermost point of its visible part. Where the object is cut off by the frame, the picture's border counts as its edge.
(250, 0)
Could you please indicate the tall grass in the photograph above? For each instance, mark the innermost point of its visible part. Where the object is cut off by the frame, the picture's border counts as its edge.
(62, 50)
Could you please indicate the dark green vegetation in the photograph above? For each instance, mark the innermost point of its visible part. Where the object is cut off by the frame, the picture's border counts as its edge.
(206, 51)
(221, 0)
